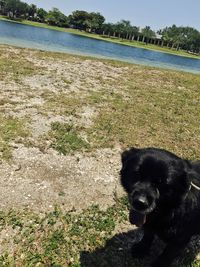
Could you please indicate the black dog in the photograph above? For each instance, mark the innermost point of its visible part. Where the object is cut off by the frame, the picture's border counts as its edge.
(164, 198)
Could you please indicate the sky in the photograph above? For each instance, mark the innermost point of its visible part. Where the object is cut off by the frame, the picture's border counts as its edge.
(154, 13)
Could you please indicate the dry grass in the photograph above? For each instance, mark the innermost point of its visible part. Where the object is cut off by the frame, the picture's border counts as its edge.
(142, 107)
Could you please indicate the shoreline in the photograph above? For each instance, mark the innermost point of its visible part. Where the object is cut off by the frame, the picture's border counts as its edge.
(101, 38)
(104, 58)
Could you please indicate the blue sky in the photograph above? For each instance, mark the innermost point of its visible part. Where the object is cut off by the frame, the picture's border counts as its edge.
(155, 13)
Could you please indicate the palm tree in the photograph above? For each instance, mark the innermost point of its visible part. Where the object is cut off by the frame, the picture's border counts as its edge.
(148, 34)
(32, 11)
(108, 28)
(2, 7)
(124, 28)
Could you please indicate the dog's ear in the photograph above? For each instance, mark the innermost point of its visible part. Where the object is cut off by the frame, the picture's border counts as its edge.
(182, 182)
(128, 153)
(125, 172)
(193, 177)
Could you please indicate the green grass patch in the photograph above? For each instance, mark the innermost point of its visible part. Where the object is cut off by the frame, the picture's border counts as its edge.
(71, 104)
(58, 238)
(14, 66)
(64, 239)
(10, 129)
(65, 138)
(161, 110)
(64, 104)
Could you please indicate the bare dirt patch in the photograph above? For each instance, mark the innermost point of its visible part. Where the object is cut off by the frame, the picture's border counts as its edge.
(41, 181)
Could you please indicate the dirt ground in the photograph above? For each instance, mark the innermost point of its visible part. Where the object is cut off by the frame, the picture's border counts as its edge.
(37, 178)
(41, 180)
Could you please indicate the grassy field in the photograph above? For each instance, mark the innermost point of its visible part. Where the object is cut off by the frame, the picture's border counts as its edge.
(106, 38)
(69, 239)
(99, 104)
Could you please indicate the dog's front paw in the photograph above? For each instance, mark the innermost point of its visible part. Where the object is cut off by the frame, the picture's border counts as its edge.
(139, 250)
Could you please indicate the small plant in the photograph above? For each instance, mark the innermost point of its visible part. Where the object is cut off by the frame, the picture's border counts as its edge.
(65, 138)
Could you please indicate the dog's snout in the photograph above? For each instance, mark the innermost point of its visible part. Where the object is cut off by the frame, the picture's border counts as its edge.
(140, 203)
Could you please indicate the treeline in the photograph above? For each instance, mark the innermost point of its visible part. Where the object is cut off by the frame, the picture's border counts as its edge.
(174, 37)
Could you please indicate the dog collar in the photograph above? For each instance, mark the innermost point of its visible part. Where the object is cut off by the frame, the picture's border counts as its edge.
(195, 186)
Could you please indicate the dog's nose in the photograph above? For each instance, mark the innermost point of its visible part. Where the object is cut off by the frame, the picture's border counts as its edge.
(140, 203)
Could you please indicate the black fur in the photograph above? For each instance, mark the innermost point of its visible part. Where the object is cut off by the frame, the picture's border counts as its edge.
(159, 187)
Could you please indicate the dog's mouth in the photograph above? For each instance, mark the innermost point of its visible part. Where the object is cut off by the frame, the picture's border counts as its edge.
(137, 218)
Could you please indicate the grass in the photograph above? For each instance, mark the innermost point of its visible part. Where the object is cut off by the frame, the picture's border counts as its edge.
(105, 38)
(57, 238)
(11, 128)
(15, 67)
(65, 138)
(71, 239)
(154, 114)
(161, 110)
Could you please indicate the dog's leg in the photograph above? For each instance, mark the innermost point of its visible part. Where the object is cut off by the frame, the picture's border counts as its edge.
(170, 253)
(142, 248)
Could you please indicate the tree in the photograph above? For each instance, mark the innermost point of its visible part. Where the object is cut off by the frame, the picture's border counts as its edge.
(15, 9)
(22, 10)
(79, 19)
(176, 35)
(166, 36)
(41, 14)
(123, 28)
(2, 7)
(32, 11)
(108, 29)
(182, 37)
(95, 21)
(56, 17)
(12, 8)
(134, 32)
(173, 36)
(148, 34)
(191, 39)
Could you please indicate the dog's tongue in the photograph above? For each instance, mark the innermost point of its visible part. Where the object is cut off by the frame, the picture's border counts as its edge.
(137, 218)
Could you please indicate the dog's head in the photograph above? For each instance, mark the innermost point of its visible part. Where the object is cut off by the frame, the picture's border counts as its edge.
(153, 178)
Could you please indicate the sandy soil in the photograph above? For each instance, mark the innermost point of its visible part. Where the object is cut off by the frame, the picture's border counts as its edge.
(40, 179)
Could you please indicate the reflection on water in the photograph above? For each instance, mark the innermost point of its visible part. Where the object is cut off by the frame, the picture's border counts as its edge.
(51, 40)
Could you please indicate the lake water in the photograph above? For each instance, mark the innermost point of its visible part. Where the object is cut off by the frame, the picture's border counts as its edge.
(51, 40)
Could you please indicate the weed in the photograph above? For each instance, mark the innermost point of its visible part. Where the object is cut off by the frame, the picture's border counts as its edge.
(66, 138)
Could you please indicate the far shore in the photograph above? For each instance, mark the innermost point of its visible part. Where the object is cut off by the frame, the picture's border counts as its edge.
(105, 38)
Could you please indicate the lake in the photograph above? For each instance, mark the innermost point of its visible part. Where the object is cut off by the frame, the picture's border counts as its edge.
(51, 40)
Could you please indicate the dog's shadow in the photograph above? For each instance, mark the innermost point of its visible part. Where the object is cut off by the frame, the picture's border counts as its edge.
(116, 252)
